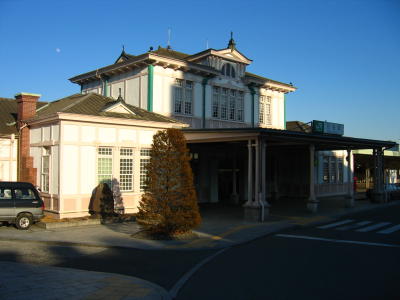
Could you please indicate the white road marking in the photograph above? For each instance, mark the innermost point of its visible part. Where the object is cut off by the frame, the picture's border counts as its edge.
(373, 227)
(335, 224)
(304, 237)
(390, 229)
(353, 226)
(181, 282)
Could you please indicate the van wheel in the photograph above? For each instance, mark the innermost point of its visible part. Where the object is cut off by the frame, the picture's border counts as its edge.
(24, 221)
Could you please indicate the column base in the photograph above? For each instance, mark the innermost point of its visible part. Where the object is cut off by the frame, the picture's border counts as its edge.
(349, 201)
(234, 198)
(312, 206)
(253, 212)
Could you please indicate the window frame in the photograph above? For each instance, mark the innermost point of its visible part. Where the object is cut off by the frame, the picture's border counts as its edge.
(228, 70)
(124, 178)
(227, 104)
(332, 169)
(45, 176)
(265, 110)
(104, 156)
(143, 162)
(183, 97)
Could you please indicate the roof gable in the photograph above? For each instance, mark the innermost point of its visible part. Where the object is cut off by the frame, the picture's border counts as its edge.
(124, 57)
(228, 54)
(118, 107)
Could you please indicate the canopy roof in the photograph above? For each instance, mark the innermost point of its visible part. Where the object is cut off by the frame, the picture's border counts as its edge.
(279, 138)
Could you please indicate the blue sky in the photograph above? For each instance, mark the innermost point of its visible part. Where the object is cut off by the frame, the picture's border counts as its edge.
(343, 55)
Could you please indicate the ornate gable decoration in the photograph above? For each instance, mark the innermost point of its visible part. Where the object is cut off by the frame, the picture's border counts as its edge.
(118, 107)
(226, 54)
(230, 53)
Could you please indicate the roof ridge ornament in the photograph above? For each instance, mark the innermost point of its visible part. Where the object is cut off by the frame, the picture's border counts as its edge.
(120, 99)
(232, 44)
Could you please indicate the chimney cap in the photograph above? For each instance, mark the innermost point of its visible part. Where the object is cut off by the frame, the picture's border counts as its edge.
(27, 94)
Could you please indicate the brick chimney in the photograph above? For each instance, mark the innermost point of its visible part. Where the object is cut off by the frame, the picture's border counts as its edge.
(26, 104)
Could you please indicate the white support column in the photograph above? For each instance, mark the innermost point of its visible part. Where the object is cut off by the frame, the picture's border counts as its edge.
(257, 173)
(249, 173)
(312, 204)
(263, 172)
(254, 210)
(350, 190)
(234, 195)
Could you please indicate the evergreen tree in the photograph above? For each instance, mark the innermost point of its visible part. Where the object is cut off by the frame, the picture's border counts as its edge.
(169, 204)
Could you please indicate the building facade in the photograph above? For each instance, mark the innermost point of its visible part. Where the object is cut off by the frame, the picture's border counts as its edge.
(209, 89)
(234, 121)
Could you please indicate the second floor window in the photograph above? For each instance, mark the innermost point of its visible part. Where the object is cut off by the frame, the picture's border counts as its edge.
(227, 104)
(183, 97)
(265, 117)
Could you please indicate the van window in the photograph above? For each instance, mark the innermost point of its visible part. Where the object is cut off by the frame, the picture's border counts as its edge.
(5, 194)
(24, 194)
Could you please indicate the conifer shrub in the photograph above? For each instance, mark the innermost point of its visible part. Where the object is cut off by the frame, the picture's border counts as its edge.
(169, 205)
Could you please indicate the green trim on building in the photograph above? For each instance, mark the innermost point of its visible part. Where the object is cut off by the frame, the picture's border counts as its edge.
(105, 89)
(150, 77)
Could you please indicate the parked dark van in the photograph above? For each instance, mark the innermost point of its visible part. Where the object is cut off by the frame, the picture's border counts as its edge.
(20, 204)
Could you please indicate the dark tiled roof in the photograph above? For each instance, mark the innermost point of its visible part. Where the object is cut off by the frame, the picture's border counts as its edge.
(170, 53)
(298, 126)
(8, 115)
(248, 74)
(124, 56)
(94, 105)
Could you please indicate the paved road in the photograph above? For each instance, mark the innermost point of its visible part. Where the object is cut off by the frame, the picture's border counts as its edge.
(351, 260)
(356, 257)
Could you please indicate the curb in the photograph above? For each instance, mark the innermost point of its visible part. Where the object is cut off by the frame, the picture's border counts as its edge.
(284, 225)
(54, 225)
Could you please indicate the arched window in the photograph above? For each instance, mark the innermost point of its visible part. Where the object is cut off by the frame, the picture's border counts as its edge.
(228, 70)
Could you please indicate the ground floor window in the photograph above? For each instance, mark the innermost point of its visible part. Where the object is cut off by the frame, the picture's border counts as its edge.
(45, 167)
(144, 161)
(332, 169)
(105, 165)
(116, 165)
(126, 169)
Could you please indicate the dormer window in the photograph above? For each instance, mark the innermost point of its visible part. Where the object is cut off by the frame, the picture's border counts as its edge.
(228, 70)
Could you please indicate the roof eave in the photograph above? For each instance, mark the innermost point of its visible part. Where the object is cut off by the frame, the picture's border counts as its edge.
(142, 61)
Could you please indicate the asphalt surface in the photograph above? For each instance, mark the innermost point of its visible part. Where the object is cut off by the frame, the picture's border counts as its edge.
(322, 261)
(308, 263)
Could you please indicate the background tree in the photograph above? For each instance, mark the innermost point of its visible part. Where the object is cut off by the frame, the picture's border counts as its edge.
(169, 204)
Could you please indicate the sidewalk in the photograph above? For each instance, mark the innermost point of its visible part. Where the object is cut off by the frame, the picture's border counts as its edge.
(221, 228)
(24, 281)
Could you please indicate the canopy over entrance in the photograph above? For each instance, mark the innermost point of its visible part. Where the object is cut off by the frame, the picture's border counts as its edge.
(276, 137)
(250, 162)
